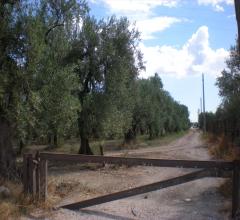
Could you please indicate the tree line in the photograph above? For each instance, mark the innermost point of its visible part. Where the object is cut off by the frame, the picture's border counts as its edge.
(65, 74)
(226, 120)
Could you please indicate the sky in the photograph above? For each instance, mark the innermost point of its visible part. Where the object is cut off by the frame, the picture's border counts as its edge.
(180, 40)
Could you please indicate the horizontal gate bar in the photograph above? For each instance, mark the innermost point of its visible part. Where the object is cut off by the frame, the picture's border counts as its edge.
(137, 161)
(139, 190)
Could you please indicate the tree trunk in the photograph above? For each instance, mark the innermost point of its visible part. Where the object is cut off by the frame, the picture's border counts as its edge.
(84, 143)
(84, 147)
(150, 132)
(49, 139)
(130, 137)
(7, 156)
(21, 146)
(55, 140)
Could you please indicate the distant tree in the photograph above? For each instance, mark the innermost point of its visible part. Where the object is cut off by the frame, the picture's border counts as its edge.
(229, 90)
(226, 119)
(155, 111)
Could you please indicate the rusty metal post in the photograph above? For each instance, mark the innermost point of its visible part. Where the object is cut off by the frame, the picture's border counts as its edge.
(236, 189)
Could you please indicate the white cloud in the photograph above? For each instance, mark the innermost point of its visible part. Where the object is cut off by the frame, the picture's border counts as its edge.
(156, 24)
(231, 16)
(216, 4)
(137, 6)
(141, 13)
(136, 10)
(194, 57)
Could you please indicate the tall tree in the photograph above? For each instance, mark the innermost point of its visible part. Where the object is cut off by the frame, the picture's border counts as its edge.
(229, 89)
(107, 62)
(28, 51)
(11, 79)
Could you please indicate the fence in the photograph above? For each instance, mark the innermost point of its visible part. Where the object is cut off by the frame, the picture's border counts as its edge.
(36, 168)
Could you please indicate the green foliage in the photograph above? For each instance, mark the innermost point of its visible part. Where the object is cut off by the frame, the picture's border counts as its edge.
(104, 54)
(155, 111)
(226, 120)
(63, 73)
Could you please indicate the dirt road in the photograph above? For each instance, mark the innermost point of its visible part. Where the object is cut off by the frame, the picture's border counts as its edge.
(199, 199)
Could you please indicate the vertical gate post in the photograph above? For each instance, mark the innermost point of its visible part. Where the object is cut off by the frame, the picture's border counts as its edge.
(43, 179)
(37, 176)
(26, 173)
(32, 175)
(236, 189)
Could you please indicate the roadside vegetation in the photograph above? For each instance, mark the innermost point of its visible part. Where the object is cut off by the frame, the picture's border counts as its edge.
(223, 127)
(224, 124)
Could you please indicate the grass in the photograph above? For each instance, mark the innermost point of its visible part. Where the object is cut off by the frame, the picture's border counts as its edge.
(72, 146)
(221, 148)
(60, 189)
(16, 204)
(160, 141)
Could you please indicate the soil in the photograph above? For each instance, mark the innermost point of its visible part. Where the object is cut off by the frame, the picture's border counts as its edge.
(199, 199)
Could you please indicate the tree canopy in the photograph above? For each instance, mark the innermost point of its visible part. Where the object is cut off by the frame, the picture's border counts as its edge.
(226, 120)
(64, 74)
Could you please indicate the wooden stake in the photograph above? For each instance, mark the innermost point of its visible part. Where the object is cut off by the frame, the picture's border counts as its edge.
(236, 189)
(43, 179)
(32, 175)
(37, 176)
(26, 173)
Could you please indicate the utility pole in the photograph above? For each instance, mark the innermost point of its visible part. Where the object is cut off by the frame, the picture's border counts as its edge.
(204, 114)
(200, 105)
(198, 113)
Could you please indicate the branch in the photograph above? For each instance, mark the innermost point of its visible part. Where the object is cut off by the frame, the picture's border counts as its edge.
(50, 29)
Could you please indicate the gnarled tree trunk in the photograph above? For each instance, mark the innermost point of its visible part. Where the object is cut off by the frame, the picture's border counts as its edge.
(7, 156)
(130, 136)
(84, 147)
(84, 143)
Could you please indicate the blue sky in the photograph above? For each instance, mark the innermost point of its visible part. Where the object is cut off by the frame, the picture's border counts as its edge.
(181, 39)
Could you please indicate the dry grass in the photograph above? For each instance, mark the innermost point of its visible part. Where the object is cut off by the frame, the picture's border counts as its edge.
(222, 148)
(63, 189)
(142, 141)
(19, 204)
(16, 204)
(8, 210)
